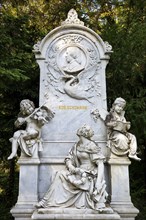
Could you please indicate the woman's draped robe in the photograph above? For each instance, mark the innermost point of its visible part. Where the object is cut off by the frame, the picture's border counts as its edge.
(63, 193)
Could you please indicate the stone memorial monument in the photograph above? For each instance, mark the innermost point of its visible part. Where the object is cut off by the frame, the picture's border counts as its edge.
(74, 154)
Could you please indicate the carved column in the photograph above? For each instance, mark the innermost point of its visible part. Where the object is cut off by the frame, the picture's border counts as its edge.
(120, 189)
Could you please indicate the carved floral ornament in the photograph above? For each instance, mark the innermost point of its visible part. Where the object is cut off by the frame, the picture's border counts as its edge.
(72, 18)
(108, 47)
(95, 114)
(36, 47)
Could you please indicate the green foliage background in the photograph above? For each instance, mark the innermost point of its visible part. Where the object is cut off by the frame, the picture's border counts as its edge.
(23, 23)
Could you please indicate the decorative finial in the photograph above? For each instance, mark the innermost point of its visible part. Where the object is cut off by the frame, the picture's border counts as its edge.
(72, 18)
(36, 48)
(108, 47)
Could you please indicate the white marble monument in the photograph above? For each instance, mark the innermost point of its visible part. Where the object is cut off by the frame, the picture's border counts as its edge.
(74, 174)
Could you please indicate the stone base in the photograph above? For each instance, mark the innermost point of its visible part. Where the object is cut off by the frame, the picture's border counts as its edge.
(22, 212)
(68, 213)
(25, 212)
(127, 212)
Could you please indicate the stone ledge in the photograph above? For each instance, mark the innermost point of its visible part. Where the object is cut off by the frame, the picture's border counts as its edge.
(22, 212)
(29, 161)
(60, 214)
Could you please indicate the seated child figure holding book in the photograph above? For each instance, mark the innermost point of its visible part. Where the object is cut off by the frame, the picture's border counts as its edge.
(121, 141)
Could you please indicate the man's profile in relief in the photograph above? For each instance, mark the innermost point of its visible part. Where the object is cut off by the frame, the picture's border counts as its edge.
(73, 58)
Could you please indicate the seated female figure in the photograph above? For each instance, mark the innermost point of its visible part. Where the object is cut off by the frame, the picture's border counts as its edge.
(121, 141)
(82, 184)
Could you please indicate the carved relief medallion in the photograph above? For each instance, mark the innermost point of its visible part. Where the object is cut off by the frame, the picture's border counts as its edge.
(72, 59)
(73, 63)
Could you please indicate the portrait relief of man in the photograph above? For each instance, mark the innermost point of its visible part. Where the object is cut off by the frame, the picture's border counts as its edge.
(73, 59)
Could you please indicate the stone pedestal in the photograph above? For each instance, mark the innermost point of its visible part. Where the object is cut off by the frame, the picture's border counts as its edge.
(120, 189)
(28, 188)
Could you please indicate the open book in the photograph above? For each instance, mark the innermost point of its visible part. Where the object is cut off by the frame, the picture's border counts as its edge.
(122, 126)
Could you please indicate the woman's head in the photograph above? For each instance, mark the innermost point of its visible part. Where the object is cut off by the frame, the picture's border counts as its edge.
(85, 131)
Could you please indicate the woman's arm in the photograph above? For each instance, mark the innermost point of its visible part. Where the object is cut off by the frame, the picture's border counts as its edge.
(69, 165)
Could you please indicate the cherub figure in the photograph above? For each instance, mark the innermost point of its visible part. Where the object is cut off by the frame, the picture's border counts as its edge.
(121, 141)
(34, 120)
